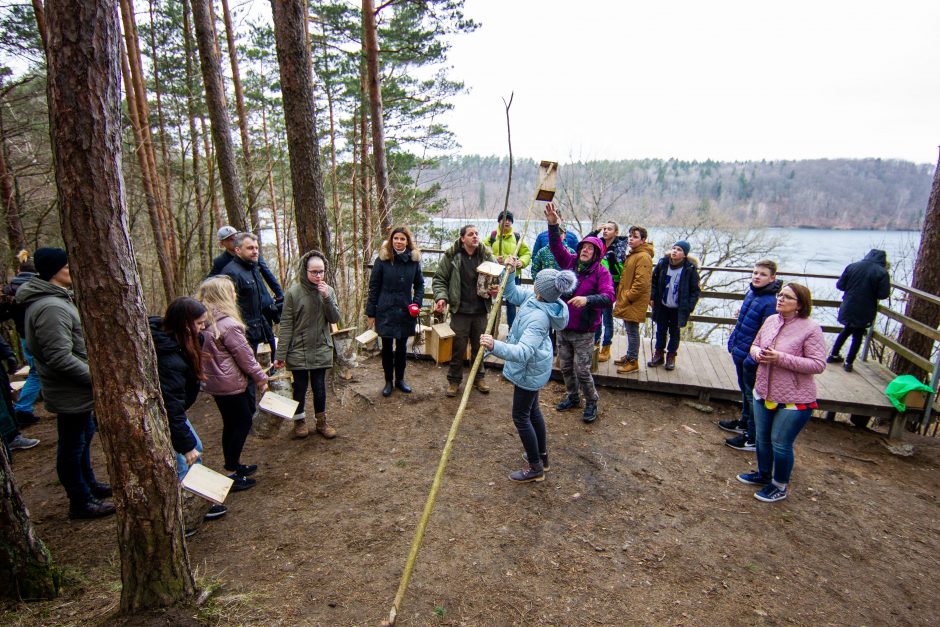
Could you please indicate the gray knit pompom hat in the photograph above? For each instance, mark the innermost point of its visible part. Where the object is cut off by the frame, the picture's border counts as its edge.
(551, 284)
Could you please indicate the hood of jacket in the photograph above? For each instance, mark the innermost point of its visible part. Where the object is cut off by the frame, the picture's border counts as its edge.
(645, 247)
(302, 273)
(163, 342)
(556, 310)
(36, 288)
(599, 248)
(387, 253)
(877, 256)
(22, 278)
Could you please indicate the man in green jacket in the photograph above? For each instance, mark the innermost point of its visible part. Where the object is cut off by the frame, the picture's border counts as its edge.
(455, 286)
(54, 337)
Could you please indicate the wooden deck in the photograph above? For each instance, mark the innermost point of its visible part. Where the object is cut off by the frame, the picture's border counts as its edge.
(706, 371)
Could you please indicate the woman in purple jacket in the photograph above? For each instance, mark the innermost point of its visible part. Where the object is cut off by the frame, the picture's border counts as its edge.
(229, 363)
(789, 350)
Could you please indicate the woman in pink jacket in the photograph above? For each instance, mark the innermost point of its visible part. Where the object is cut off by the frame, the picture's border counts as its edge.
(229, 363)
(789, 350)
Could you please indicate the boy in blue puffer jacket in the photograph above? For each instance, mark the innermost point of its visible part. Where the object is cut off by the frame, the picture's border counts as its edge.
(759, 303)
(527, 353)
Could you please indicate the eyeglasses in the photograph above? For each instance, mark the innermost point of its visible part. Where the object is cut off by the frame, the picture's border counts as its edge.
(785, 297)
(316, 272)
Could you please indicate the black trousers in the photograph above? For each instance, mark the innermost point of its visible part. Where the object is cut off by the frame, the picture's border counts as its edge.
(236, 410)
(857, 334)
(316, 378)
(394, 360)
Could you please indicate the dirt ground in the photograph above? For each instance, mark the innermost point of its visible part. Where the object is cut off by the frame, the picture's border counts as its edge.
(640, 521)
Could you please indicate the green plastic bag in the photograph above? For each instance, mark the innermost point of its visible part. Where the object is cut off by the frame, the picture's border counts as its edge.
(898, 389)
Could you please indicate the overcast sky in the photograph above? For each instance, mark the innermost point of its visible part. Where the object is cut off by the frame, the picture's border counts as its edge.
(726, 80)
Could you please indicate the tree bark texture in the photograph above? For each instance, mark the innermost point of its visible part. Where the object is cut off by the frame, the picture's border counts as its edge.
(293, 60)
(15, 236)
(219, 118)
(376, 110)
(40, 14)
(27, 571)
(85, 125)
(926, 279)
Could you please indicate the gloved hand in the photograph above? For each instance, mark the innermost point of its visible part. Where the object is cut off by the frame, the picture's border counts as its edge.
(12, 365)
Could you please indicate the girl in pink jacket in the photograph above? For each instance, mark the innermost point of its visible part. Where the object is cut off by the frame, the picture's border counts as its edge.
(229, 363)
(790, 350)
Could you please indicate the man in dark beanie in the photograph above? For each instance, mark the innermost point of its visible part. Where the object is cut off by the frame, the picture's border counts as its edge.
(54, 337)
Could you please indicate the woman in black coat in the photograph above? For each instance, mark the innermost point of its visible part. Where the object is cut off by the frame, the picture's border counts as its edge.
(396, 289)
(864, 282)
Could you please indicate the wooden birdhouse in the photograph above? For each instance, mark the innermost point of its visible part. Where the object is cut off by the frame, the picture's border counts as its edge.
(548, 175)
(487, 277)
(441, 342)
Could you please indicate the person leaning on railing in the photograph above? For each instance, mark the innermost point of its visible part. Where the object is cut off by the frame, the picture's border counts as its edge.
(789, 350)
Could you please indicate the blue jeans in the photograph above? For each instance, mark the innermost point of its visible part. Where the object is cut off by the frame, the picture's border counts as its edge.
(73, 455)
(776, 429)
(181, 466)
(633, 339)
(529, 422)
(607, 322)
(30, 390)
(747, 377)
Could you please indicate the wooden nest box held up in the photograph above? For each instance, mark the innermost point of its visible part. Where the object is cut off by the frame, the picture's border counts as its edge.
(548, 174)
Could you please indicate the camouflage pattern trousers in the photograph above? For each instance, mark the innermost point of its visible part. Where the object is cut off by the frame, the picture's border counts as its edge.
(575, 353)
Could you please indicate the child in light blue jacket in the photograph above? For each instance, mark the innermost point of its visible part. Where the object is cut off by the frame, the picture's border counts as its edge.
(527, 353)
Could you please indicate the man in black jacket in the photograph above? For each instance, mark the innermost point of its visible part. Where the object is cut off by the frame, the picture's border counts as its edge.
(253, 298)
(864, 282)
(227, 236)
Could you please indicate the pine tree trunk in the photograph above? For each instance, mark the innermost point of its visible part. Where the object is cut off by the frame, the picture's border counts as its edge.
(40, 14)
(293, 60)
(15, 236)
(164, 152)
(242, 120)
(364, 176)
(211, 66)
(376, 111)
(205, 239)
(339, 248)
(26, 568)
(85, 124)
(354, 185)
(926, 279)
(281, 269)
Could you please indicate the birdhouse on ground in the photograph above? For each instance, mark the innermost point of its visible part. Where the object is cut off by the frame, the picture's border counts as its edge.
(548, 176)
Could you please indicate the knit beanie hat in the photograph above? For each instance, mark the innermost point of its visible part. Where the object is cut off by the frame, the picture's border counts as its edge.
(49, 261)
(684, 245)
(551, 284)
(505, 215)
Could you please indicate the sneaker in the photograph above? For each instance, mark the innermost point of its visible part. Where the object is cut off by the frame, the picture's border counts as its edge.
(590, 413)
(771, 494)
(847, 366)
(93, 508)
(544, 457)
(740, 443)
(189, 533)
(834, 359)
(753, 478)
(101, 490)
(569, 402)
(241, 483)
(25, 418)
(244, 470)
(481, 386)
(452, 389)
(21, 443)
(216, 511)
(528, 474)
(732, 426)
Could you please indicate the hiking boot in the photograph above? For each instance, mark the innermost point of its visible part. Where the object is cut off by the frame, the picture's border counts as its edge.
(604, 354)
(387, 390)
(740, 443)
(323, 428)
(241, 483)
(92, 508)
(452, 389)
(753, 478)
(216, 511)
(670, 361)
(630, 365)
(300, 429)
(404, 387)
(569, 402)
(545, 466)
(25, 418)
(621, 361)
(21, 443)
(101, 490)
(732, 426)
(529, 473)
(847, 366)
(590, 413)
(481, 386)
(834, 359)
(771, 494)
(657, 360)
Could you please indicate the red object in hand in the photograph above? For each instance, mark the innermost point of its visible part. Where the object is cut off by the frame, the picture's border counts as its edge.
(414, 310)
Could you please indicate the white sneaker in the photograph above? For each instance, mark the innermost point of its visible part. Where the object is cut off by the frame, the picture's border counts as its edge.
(21, 443)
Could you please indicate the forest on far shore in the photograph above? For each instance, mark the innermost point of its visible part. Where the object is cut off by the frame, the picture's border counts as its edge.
(822, 193)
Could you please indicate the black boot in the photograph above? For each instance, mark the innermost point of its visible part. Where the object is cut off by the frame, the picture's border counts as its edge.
(387, 390)
(92, 508)
(404, 387)
(101, 490)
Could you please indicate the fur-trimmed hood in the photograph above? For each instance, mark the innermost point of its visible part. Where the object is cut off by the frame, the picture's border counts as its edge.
(690, 258)
(387, 253)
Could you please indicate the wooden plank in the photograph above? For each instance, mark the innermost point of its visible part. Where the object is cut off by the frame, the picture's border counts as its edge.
(911, 356)
(910, 323)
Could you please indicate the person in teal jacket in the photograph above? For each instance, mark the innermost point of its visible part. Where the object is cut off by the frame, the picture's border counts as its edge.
(527, 353)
